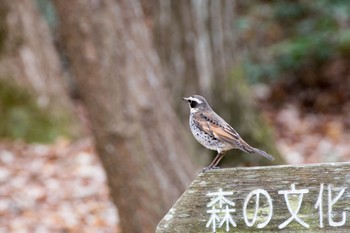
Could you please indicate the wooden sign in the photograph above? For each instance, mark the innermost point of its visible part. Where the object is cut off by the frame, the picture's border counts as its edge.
(303, 198)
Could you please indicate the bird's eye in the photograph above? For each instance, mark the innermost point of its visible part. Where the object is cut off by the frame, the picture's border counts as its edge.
(193, 104)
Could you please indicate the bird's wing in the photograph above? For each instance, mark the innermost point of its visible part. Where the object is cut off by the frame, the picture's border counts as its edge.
(221, 130)
(218, 129)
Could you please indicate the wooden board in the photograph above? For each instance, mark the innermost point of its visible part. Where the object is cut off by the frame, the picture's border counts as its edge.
(302, 198)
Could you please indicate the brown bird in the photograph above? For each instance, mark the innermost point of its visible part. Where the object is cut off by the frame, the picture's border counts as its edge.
(215, 133)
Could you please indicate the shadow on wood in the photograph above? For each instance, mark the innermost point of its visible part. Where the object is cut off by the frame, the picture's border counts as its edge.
(302, 198)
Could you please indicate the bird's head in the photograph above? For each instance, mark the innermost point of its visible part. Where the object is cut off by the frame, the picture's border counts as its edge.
(196, 102)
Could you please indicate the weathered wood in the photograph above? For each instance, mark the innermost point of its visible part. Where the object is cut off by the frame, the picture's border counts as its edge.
(264, 200)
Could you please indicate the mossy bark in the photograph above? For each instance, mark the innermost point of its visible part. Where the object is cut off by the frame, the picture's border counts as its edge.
(22, 118)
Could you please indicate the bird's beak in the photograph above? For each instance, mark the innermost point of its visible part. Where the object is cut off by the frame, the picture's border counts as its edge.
(184, 98)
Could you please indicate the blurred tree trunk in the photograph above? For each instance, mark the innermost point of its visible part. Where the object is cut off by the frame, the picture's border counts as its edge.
(30, 69)
(196, 42)
(138, 136)
(200, 53)
(27, 54)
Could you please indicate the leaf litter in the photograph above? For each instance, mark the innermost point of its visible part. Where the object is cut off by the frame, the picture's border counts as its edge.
(54, 188)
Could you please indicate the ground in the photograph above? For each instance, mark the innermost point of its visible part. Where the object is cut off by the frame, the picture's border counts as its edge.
(310, 138)
(58, 188)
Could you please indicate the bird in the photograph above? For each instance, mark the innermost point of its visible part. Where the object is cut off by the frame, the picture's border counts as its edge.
(215, 133)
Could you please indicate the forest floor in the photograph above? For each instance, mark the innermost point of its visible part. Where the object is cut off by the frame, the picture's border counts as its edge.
(308, 137)
(61, 188)
(58, 188)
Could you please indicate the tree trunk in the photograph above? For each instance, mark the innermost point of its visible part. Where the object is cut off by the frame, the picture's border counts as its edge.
(195, 41)
(27, 54)
(35, 105)
(199, 48)
(139, 139)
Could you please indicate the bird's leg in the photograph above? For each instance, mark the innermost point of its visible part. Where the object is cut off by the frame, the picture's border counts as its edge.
(215, 162)
(218, 159)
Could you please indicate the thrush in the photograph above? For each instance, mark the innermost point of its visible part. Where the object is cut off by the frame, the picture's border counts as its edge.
(215, 133)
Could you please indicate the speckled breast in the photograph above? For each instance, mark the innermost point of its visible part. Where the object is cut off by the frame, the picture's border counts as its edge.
(205, 139)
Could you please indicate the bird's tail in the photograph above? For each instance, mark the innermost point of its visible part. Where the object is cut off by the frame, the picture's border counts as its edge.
(252, 150)
(263, 153)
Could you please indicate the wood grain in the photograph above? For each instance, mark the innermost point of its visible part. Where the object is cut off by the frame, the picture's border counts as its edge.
(189, 213)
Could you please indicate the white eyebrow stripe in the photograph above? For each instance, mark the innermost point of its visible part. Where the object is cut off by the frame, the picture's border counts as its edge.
(195, 99)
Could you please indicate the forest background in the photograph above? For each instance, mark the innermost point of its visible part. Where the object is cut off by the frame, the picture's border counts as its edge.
(91, 114)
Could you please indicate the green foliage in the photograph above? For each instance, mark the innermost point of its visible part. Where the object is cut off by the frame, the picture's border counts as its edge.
(297, 34)
(21, 117)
